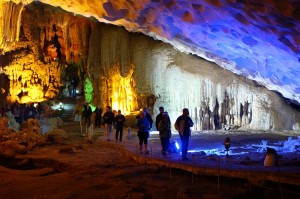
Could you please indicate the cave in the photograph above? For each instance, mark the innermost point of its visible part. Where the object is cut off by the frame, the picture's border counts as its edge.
(127, 69)
(236, 74)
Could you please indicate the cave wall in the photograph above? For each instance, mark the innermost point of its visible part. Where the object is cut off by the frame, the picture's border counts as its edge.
(39, 44)
(163, 76)
(129, 71)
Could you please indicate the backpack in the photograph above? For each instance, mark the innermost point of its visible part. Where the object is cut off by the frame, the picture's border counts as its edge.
(176, 126)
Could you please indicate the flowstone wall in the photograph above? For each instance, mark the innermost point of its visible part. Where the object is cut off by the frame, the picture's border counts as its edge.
(130, 70)
(162, 76)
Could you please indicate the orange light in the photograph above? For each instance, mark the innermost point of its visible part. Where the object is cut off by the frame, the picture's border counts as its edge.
(29, 78)
(123, 95)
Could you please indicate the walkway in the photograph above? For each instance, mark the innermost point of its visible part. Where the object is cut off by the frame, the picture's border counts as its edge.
(248, 167)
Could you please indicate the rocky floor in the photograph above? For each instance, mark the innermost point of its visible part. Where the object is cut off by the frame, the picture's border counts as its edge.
(77, 168)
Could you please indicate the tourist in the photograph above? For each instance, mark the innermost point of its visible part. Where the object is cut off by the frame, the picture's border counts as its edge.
(17, 113)
(183, 124)
(159, 116)
(39, 109)
(22, 112)
(143, 126)
(148, 116)
(108, 118)
(98, 112)
(27, 112)
(88, 114)
(32, 112)
(164, 128)
(83, 114)
(119, 121)
(7, 108)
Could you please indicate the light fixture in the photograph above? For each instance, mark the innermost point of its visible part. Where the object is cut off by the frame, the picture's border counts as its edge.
(174, 147)
(61, 105)
(271, 158)
(227, 145)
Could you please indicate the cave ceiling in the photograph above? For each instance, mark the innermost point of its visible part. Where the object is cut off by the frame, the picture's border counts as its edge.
(258, 39)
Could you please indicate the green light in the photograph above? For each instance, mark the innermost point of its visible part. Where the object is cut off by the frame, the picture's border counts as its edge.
(88, 90)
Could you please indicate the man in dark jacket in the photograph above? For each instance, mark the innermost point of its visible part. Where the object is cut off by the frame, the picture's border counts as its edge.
(119, 121)
(108, 118)
(88, 114)
(159, 116)
(98, 112)
(164, 128)
(183, 124)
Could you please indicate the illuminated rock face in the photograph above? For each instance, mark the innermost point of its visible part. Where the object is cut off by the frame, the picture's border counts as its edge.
(213, 95)
(129, 71)
(33, 73)
(34, 62)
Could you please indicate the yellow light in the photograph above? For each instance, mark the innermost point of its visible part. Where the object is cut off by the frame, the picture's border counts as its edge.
(115, 104)
(123, 96)
(29, 78)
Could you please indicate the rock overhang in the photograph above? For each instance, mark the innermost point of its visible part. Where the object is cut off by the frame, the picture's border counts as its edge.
(257, 39)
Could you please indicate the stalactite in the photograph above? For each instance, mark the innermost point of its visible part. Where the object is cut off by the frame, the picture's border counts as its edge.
(130, 71)
(11, 23)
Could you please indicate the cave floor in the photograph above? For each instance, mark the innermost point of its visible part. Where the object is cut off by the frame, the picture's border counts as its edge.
(79, 168)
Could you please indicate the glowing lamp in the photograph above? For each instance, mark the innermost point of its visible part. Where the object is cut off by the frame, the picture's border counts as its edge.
(61, 105)
(227, 145)
(174, 147)
(271, 158)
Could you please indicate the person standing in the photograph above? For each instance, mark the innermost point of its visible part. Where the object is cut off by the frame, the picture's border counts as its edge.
(32, 112)
(88, 114)
(159, 116)
(183, 124)
(108, 118)
(39, 110)
(119, 121)
(143, 126)
(148, 116)
(26, 112)
(83, 114)
(164, 128)
(17, 113)
(98, 112)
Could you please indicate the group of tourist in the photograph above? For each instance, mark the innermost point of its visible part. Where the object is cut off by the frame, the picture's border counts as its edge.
(163, 125)
(22, 112)
(144, 125)
(109, 120)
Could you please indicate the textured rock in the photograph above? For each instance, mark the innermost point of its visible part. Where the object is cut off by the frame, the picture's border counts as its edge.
(130, 70)
(12, 122)
(259, 40)
(176, 80)
(56, 135)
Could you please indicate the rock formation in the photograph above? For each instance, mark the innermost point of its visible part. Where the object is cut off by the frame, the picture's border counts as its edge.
(130, 70)
(256, 39)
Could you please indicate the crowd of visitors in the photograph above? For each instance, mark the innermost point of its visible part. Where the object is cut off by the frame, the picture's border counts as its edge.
(22, 112)
(144, 125)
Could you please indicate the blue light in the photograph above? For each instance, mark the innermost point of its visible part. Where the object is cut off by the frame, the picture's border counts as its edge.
(177, 145)
(174, 147)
